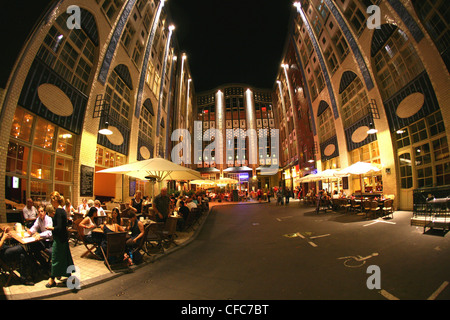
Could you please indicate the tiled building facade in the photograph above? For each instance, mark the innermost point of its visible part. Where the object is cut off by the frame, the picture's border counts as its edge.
(338, 79)
(120, 56)
(393, 79)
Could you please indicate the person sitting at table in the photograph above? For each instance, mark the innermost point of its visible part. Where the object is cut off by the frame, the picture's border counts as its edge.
(40, 231)
(110, 226)
(127, 211)
(69, 209)
(178, 202)
(87, 224)
(183, 212)
(136, 228)
(100, 211)
(83, 206)
(116, 216)
(29, 213)
(190, 204)
(15, 254)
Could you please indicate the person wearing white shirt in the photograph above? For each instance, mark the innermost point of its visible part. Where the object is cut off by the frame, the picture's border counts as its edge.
(83, 206)
(29, 213)
(40, 232)
(191, 204)
(100, 211)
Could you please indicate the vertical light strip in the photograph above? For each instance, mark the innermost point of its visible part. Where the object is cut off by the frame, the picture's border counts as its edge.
(283, 108)
(220, 120)
(144, 67)
(251, 128)
(291, 99)
(163, 79)
(187, 103)
(181, 90)
(169, 108)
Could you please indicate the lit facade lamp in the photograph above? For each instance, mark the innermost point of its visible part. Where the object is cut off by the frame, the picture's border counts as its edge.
(101, 110)
(372, 129)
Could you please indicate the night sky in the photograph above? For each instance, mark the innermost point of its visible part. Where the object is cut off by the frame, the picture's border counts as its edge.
(227, 41)
(232, 41)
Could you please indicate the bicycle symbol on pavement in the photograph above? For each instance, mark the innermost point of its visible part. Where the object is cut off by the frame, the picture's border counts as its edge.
(356, 261)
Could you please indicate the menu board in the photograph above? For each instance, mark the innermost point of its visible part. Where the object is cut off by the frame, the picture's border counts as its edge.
(86, 181)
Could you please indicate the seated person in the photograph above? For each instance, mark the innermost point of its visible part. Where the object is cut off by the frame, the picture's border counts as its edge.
(137, 232)
(15, 254)
(183, 211)
(69, 209)
(190, 204)
(87, 225)
(110, 226)
(83, 207)
(128, 210)
(100, 211)
(29, 213)
(45, 238)
(116, 216)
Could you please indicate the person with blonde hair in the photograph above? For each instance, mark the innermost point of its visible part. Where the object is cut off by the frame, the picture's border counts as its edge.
(61, 256)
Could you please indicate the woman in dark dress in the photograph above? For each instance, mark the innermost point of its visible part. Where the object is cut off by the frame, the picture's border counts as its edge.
(61, 256)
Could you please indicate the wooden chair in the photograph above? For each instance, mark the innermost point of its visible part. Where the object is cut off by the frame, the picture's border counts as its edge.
(89, 246)
(10, 270)
(154, 234)
(355, 206)
(168, 233)
(141, 244)
(73, 231)
(388, 208)
(374, 208)
(336, 204)
(115, 248)
(367, 206)
(345, 205)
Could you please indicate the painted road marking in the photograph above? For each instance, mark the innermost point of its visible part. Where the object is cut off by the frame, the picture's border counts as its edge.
(378, 220)
(311, 243)
(438, 291)
(281, 219)
(388, 296)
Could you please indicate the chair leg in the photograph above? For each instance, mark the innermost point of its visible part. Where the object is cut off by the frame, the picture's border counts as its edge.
(106, 260)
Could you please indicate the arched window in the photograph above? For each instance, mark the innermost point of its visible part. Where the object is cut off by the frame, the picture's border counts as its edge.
(395, 60)
(434, 15)
(354, 100)
(325, 119)
(118, 94)
(146, 122)
(72, 52)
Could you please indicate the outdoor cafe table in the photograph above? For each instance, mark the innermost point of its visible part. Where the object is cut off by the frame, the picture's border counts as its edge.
(25, 240)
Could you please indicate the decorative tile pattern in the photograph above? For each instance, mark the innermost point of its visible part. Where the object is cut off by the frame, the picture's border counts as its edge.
(352, 43)
(109, 55)
(40, 74)
(412, 26)
(322, 63)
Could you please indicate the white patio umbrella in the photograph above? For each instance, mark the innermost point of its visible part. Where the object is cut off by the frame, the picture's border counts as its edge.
(202, 182)
(225, 181)
(359, 168)
(158, 168)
